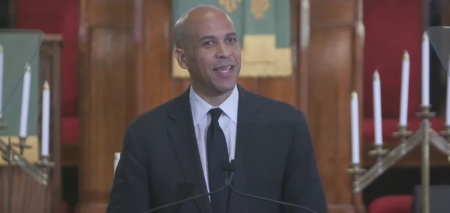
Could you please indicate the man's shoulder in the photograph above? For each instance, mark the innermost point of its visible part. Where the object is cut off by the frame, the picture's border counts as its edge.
(269, 104)
(157, 115)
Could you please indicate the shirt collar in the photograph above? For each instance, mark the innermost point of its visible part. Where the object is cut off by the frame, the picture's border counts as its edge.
(200, 107)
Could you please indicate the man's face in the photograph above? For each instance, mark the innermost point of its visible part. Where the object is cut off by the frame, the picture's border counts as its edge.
(212, 54)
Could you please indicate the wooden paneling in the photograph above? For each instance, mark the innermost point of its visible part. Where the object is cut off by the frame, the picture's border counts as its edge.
(109, 75)
(101, 12)
(107, 83)
(329, 98)
(337, 11)
(107, 70)
(156, 53)
(334, 71)
(23, 192)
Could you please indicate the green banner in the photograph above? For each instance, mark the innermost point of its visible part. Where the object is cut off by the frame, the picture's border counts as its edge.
(19, 47)
(263, 27)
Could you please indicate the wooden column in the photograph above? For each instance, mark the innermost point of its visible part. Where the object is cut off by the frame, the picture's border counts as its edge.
(335, 69)
(107, 70)
(50, 70)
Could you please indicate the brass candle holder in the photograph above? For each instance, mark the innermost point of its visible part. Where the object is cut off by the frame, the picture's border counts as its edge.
(408, 140)
(39, 171)
(356, 170)
(13, 157)
(22, 145)
(378, 151)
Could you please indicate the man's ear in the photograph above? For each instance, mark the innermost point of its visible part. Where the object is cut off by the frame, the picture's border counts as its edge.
(181, 57)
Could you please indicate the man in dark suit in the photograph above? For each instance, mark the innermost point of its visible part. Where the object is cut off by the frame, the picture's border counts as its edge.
(166, 153)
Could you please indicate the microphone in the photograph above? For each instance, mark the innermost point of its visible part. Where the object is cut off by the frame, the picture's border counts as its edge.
(230, 172)
(227, 168)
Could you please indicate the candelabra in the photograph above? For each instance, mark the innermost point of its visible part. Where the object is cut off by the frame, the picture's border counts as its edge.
(11, 156)
(408, 140)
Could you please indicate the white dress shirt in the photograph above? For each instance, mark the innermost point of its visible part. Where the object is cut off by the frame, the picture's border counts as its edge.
(202, 119)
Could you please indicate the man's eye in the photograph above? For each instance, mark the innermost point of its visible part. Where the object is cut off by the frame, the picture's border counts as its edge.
(231, 40)
(207, 43)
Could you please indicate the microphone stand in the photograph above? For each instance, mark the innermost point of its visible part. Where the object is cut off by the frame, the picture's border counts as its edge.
(264, 198)
(227, 183)
(230, 173)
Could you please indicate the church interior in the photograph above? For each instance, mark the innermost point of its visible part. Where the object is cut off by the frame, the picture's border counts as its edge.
(107, 61)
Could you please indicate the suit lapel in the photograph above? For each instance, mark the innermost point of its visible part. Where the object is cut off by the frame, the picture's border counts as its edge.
(182, 134)
(247, 138)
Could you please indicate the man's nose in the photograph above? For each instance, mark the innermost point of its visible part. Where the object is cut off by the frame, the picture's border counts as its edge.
(223, 51)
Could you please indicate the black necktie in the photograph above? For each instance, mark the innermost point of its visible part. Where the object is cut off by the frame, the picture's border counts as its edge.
(217, 159)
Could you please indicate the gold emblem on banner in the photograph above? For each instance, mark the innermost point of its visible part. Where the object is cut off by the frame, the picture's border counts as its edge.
(230, 5)
(259, 8)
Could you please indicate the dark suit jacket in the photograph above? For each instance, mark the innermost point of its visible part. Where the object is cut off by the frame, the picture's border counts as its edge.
(274, 158)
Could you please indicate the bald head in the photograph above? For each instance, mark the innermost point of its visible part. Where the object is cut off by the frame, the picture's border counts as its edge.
(207, 47)
(186, 23)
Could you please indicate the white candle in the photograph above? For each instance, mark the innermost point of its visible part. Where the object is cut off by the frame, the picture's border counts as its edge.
(1, 80)
(447, 115)
(404, 90)
(355, 127)
(45, 120)
(25, 102)
(425, 71)
(377, 108)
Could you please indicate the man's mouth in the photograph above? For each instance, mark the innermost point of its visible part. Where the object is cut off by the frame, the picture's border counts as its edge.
(224, 68)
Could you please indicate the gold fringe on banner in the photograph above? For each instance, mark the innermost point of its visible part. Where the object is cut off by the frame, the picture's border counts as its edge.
(260, 58)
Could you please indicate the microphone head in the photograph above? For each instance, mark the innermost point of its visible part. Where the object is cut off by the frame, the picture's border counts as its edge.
(232, 165)
(228, 166)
